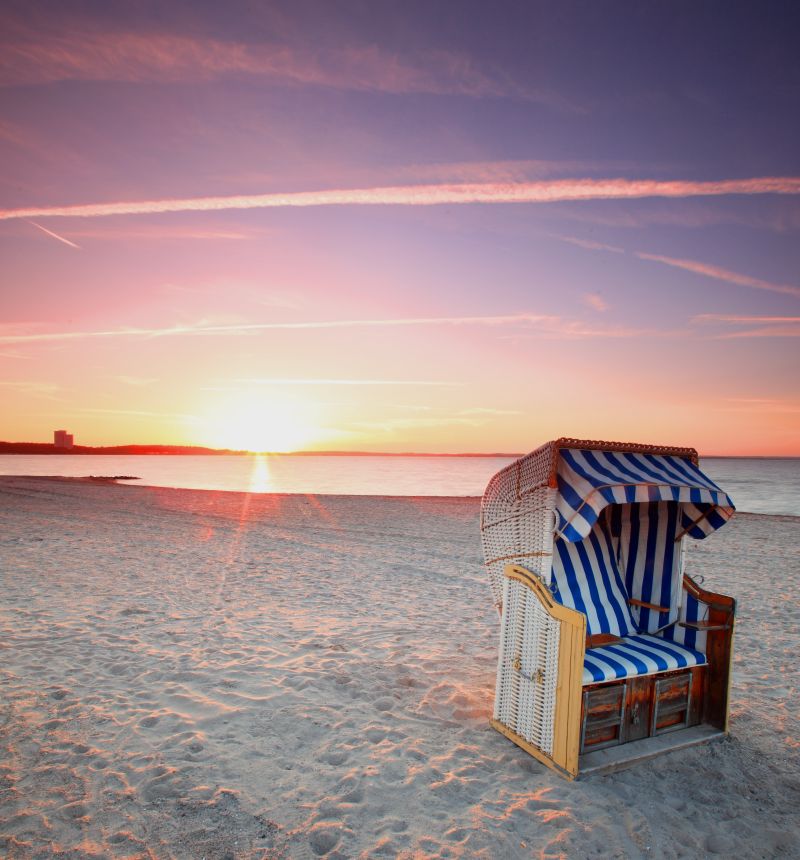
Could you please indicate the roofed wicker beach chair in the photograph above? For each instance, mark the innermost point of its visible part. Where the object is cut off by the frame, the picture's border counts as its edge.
(609, 652)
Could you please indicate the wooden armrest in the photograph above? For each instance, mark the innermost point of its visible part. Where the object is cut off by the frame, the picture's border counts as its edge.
(655, 606)
(703, 625)
(599, 639)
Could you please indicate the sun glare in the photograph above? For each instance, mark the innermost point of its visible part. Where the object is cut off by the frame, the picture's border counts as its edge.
(259, 422)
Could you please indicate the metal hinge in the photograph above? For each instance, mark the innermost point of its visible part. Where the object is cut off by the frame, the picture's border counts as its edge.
(537, 677)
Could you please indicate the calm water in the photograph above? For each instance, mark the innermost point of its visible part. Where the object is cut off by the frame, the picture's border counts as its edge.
(756, 485)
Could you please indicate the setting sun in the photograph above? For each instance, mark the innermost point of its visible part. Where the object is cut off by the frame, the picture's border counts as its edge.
(257, 421)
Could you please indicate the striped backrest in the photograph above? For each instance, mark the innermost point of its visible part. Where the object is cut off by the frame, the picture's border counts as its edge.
(586, 577)
(649, 558)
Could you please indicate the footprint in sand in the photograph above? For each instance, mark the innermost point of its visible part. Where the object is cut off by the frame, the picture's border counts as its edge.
(375, 736)
(336, 758)
(323, 838)
(355, 796)
(148, 722)
(76, 810)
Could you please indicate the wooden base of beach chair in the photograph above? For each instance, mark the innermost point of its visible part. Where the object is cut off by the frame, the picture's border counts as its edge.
(625, 755)
(636, 708)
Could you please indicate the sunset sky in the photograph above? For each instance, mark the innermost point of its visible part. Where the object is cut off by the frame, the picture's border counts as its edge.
(410, 226)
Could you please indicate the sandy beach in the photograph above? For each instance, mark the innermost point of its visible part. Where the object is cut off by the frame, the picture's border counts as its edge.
(189, 674)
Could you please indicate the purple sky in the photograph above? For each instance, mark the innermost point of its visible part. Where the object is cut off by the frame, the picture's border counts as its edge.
(435, 315)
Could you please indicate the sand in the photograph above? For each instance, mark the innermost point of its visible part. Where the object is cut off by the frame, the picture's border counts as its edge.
(190, 674)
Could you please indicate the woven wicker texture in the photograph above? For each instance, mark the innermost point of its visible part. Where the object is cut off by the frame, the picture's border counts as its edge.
(518, 518)
(527, 667)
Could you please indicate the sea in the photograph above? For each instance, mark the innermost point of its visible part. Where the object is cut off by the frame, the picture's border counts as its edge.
(756, 485)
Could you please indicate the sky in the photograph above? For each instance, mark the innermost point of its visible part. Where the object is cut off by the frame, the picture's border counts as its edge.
(401, 226)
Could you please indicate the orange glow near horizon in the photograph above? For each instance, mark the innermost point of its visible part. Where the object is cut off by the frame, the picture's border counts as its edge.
(258, 422)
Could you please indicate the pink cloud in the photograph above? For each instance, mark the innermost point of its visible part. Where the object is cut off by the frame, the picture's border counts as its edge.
(596, 301)
(35, 58)
(548, 191)
(587, 244)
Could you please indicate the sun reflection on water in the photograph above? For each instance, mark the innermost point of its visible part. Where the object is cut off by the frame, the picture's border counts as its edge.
(261, 477)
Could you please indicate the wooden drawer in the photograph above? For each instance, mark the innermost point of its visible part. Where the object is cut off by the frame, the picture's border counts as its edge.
(603, 716)
(672, 702)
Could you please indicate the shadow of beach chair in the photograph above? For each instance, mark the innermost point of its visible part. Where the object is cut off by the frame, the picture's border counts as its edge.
(609, 652)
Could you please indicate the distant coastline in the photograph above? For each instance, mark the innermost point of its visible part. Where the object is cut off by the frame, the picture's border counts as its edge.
(190, 450)
(199, 451)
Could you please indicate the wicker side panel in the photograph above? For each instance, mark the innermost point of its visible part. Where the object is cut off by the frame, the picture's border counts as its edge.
(518, 531)
(527, 668)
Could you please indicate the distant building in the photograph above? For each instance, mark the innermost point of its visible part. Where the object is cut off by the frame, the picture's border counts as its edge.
(62, 439)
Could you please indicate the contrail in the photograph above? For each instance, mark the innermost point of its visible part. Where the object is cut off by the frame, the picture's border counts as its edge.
(235, 328)
(54, 235)
(546, 191)
(720, 274)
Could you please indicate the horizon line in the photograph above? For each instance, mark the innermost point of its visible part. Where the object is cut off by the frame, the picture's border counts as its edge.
(333, 453)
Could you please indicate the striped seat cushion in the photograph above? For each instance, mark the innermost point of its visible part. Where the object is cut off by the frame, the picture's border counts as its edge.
(637, 655)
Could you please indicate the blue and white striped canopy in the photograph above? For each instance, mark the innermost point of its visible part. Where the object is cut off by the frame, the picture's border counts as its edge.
(588, 481)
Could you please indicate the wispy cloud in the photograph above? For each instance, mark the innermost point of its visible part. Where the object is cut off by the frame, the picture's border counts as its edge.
(162, 232)
(411, 407)
(767, 326)
(540, 325)
(241, 328)
(139, 413)
(391, 425)
(587, 244)
(767, 331)
(595, 301)
(41, 58)
(743, 318)
(46, 390)
(720, 274)
(324, 382)
(486, 410)
(761, 404)
(695, 266)
(547, 191)
(54, 235)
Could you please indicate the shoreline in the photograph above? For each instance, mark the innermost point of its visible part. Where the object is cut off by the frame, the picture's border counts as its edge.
(126, 482)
